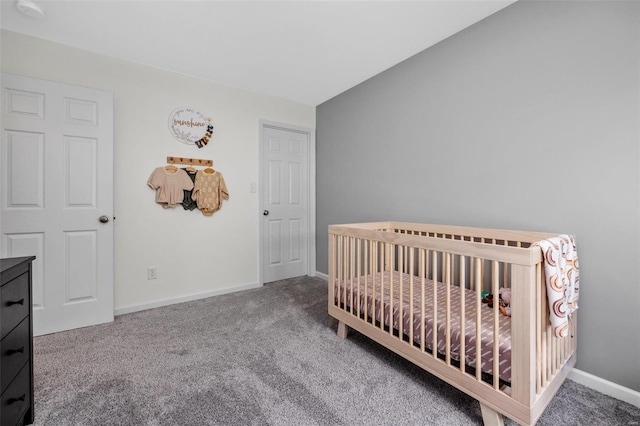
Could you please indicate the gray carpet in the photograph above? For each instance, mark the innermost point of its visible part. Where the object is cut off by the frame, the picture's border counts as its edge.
(268, 356)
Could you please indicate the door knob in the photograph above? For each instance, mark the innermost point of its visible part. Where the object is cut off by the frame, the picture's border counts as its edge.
(266, 212)
(103, 219)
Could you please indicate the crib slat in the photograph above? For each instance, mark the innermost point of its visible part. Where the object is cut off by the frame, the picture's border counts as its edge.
(523, 324)
(406, 258)
(341, 294)
(374, 269)
(572, 341)
(463, 323)
(558, 353)
(447, 283)
(401, 259)
(495, 287)
(575, 331)
(482, 285)
(345, 260)
(392, 267)
(366, 244)
(543, 327)
(338, 268)
(427, 263)
(505, 267)
(538, 329)
(478, 286)
(434, 278)
(574, 325)
(332, 269)
(347, 273)
(412, 274)
(382, 292)
(352, 276)
(471, 284)
(423, 259)
(565, 347)
(569, 339)
(549, 351)
(359, 273)
(554, 354)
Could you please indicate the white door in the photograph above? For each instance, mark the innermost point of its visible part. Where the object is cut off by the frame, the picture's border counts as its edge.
(57, 183)
(285, 195)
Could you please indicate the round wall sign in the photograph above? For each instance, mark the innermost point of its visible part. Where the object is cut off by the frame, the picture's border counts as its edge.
(190, 127)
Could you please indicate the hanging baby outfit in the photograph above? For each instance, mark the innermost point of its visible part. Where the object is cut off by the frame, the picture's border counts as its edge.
(188, 203)
(209, 190)
(170, 186)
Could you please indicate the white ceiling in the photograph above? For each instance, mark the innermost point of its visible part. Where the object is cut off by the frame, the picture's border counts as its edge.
(305, 51)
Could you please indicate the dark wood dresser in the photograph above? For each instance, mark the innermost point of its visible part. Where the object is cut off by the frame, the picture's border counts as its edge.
(16, 351)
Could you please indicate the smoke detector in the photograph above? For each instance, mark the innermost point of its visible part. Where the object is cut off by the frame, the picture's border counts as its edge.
(29, 8)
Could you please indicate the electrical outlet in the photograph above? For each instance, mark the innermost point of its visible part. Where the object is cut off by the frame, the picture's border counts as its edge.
(152, 272)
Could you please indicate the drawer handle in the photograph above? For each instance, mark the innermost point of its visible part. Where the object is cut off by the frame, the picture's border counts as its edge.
(19, 302)
(14, 400)
(15, 351)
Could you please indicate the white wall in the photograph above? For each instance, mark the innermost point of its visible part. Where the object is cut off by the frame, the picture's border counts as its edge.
(194, 254)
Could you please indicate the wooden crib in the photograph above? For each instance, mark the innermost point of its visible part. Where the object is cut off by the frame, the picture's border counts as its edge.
(416, 287)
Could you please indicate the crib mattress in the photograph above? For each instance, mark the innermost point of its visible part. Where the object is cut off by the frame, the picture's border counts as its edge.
(349, 291)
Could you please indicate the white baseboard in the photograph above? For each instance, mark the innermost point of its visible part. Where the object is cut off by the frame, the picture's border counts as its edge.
(188, 298)
(606, 387)
(323, 276)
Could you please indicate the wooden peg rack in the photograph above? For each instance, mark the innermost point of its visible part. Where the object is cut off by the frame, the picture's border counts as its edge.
(193, 161)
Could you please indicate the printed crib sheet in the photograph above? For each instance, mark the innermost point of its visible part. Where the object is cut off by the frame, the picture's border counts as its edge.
(376, 281)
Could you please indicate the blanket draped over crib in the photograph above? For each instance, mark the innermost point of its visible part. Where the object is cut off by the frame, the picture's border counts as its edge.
(562, 279)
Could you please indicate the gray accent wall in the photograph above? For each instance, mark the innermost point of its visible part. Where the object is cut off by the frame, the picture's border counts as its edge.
(527, 120)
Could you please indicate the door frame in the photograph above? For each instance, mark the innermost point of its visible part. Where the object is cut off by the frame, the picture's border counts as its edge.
(311, 194)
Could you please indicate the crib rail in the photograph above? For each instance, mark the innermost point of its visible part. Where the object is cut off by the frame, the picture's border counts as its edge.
(383, 281)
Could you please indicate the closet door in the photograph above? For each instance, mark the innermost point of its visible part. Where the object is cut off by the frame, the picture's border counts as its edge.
(57, 197)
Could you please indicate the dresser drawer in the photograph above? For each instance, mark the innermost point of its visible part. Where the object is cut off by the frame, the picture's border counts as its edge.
(14, 353)
(14, 303)
(17, 398)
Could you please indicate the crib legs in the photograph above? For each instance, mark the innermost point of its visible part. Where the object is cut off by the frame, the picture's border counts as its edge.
(490, 417)
(343, 329)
